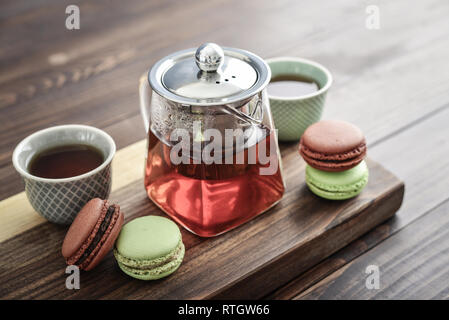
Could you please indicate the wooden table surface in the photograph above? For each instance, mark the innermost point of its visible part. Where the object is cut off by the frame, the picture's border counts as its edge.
(392, 82)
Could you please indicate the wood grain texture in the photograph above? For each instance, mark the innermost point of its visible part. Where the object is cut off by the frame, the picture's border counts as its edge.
(413, 264)
(17, 215)
(423, 173)
(114, 46)
(386, 81)
(266, 252)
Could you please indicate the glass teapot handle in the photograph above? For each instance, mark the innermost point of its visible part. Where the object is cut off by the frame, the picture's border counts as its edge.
(145, 100)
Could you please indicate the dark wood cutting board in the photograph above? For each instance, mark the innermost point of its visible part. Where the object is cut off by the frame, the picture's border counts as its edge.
(248, 262)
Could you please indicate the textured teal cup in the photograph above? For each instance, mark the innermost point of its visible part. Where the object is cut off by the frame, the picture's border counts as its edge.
(60, 200)
(292, 115)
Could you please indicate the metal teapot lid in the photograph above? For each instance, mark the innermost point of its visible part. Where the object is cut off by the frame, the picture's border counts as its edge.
(210, 75)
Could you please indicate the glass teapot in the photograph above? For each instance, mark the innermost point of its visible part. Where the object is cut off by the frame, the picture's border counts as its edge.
(213, 160)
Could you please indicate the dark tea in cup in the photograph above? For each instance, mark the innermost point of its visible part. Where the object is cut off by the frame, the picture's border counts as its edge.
(292, 86)
(65, 161)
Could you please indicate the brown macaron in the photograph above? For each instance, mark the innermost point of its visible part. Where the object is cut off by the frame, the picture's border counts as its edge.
(92, 234)
(333, 145)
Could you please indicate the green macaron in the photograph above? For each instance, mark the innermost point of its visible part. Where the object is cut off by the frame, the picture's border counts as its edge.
(337, 185)
(149, 248)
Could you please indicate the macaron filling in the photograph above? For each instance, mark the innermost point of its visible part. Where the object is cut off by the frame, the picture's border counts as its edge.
(334, 157)
(334, 162)
(98, 236)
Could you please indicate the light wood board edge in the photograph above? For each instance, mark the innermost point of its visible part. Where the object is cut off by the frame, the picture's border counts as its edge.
(17, 215)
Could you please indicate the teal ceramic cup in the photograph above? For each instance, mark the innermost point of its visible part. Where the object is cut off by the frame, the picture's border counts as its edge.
(60, 200)
(292, 115)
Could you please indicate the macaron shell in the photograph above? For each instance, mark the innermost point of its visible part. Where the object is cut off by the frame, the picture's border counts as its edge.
(333, 145)
(337, 185)
(149, 248)
(335, 195)
(342, 156)
(148, 237)
(153, 273)
(147, 276)
(82, 226)
(107, 246)
(332, 137)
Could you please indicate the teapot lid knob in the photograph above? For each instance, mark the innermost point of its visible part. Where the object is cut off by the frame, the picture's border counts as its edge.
(209, 57)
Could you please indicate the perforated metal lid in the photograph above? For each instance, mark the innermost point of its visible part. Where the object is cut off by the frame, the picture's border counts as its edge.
(209, 75)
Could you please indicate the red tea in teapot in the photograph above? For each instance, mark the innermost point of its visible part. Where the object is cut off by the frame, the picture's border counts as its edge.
(210, 199)
(213, 160)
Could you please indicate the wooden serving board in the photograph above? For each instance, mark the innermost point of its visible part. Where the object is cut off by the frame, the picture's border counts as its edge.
(248, 262)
